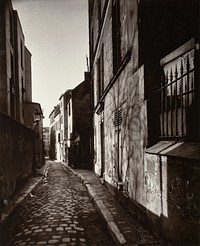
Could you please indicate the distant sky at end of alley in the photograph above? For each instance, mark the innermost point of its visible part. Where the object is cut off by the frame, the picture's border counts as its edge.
(56, 34)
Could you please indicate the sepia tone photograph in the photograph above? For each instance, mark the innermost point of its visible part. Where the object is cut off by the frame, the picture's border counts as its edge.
(99, 122)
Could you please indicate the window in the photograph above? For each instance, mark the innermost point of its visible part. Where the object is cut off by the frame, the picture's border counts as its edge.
(100, 74)
(177, 91)
(116, 35)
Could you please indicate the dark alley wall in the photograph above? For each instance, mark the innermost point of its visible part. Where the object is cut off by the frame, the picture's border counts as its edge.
(16, 163)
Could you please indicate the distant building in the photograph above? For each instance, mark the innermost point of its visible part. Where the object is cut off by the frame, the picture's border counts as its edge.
(54, 131)
(57, 132)
(46, 141)
(64, 99)
(52, 137)
(79, 125)
(144, 62)
(70, 127)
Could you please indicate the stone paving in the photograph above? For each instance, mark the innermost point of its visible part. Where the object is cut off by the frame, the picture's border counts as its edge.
(57, 212)
(132, 232)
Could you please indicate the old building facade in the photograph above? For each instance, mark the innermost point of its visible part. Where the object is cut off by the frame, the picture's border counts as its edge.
(64, 99)
(17, 143)
(144, 62)
(55, 150)
(79, 125)
(46, 141)
(52, 137)
(70, 126)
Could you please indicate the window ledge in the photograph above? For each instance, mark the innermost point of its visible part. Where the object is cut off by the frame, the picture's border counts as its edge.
(179, 149)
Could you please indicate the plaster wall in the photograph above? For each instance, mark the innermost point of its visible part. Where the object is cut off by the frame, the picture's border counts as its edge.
(172, 194)
(28, 76)
(127, 92)
(70, 119)
(133, 134)
(57, 134)
(62, 129)
(97, 146)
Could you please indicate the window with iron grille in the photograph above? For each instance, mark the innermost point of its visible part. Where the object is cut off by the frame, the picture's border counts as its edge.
(177, 91)
(116, 35)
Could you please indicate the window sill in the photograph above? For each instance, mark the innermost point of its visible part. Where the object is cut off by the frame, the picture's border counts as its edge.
(176, 149)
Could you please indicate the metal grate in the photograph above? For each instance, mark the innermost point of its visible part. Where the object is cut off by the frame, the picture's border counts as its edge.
(118, 117)
(177, 94)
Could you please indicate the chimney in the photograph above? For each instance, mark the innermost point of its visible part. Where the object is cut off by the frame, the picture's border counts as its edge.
(87, 76)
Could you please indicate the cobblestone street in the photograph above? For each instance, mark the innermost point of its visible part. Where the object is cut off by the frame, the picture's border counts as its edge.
(57, 212)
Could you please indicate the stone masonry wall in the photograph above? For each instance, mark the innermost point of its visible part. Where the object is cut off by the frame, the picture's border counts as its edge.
(172, 196)
(16, 155)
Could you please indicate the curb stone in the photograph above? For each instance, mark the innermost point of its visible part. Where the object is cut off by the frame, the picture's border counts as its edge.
(8, 212)
(114, 231)
(19, 199)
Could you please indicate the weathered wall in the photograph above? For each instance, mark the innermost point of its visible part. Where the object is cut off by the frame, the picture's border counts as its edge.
(126, 92)
(172, 192)
(133, 134)
(3, 77)
(19, 68)
(28, 76)
(6, 47)
(145, 180)
(16, 154)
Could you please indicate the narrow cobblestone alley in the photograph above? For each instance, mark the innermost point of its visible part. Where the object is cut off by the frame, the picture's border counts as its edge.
(57, 212)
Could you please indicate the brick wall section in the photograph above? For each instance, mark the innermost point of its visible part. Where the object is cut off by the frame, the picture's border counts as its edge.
(16, 154)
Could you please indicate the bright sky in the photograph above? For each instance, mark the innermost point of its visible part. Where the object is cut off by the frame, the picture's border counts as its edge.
(56, 34)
